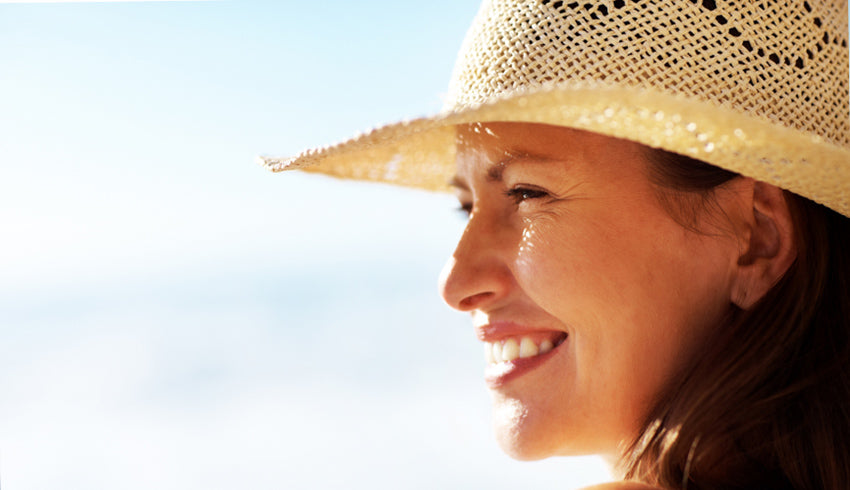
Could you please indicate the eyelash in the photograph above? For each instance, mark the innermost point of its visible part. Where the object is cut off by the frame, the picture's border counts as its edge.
(517, 194)
(520, 194)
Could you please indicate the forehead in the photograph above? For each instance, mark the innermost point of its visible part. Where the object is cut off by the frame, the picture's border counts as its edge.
(516, 137)
(485, 147)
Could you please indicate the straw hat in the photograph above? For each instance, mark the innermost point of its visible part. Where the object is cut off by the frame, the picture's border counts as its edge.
(756, 87)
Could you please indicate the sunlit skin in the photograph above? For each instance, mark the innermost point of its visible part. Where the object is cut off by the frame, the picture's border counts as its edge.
(566, 234)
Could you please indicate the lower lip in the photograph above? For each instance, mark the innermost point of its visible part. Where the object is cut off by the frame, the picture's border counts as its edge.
(500, 373)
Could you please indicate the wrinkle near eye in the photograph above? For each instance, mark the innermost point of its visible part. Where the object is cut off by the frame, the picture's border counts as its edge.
(527, 240)
(539, 226)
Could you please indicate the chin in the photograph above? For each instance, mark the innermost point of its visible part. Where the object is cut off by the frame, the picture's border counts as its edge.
(528, 434)
(521, 452)
(522, 444)
(524, 435)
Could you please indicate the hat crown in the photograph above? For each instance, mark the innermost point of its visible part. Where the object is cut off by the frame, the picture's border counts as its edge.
(783, 61)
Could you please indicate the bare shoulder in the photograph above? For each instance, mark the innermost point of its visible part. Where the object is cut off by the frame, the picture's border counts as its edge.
(622, 485)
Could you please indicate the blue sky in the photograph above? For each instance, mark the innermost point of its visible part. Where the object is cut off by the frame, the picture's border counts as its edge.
(175, 316)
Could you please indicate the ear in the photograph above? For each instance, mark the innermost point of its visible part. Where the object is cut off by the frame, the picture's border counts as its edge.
(767, 243)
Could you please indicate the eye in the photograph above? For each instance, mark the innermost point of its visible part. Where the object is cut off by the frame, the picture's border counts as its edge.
(465, 209)
(522, 193)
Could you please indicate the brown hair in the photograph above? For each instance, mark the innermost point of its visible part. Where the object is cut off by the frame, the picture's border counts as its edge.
(766, 404)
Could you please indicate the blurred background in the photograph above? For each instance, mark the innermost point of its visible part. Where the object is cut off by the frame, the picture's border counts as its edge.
(173, 316)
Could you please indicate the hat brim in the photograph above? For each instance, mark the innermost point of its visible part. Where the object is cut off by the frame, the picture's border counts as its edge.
(420, 152)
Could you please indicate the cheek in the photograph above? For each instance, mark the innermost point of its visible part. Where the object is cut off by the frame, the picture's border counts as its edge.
(636, 299)
(568, 272)
(561, 263)
(540, 267)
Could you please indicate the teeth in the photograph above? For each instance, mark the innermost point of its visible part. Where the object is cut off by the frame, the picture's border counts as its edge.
(514, 348)
(527, 348)
(497, 352)
(510, 350)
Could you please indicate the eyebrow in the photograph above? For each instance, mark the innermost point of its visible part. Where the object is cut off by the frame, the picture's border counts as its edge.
(497, 169)
(457, 183)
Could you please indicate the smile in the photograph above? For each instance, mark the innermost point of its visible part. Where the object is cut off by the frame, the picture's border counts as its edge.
(520, 347)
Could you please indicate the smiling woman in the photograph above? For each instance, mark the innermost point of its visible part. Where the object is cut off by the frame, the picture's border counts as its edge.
(575, 249)
(658, 196)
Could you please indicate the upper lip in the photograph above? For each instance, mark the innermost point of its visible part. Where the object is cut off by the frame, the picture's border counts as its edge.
(498, 330)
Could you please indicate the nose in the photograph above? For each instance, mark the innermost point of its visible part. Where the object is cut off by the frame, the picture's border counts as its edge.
(477, 275)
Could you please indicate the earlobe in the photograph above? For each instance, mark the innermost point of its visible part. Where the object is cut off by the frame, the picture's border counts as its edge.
(767, 244)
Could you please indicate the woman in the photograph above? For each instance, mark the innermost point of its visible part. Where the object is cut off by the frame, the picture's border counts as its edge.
(658, 195)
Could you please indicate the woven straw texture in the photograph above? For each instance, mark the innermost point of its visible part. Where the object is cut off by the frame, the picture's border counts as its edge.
(757, 87)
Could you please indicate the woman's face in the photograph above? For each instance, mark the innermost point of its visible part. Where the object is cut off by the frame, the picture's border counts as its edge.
(587, 295)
